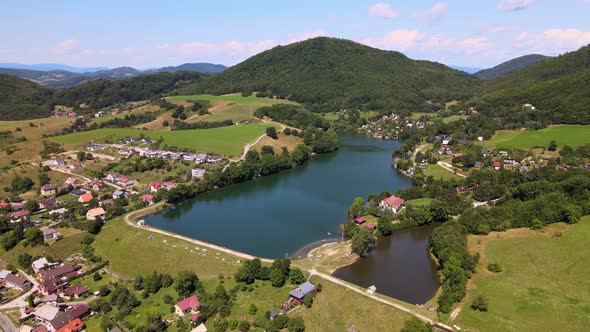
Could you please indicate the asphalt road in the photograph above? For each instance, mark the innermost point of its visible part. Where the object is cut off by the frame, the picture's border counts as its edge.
(6, 325)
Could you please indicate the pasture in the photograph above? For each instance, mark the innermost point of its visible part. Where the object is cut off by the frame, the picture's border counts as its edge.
(228, 141)
(438, 172)
(543, 285)
(573, 135)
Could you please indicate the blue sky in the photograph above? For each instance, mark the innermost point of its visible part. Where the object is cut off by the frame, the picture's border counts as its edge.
(147, 33)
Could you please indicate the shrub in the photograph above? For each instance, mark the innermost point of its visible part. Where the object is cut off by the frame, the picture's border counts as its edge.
(495, 267)
(480, 303)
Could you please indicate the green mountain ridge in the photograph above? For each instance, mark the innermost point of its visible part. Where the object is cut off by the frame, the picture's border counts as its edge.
(558, 87)
(333, 73)
(510, 66)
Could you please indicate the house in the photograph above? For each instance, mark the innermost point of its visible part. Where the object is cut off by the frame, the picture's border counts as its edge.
(16, 282)
(49, 233)
(40, 264)
(75, 166)
(98, 186)
(69, 315)
(214, 159)
(496, 165)
(20, 216)
(4, 273)
(197, 173)
(92, 147)
(52, 299)
(369, 226)
(48, 190)
(124, 181)
(168, 185)
(59, 162)
(478, 164)
(113, 177)
(77, 192)
(125, 151)
(58, 211)
(56, 280)
(147, 198)
(74, 326)
(96, 213)
(17, 206)
(85, 198)
(510, 161)
(201, 158)
(75, 291)
(155, 186)
(189, 305)
(392, 203)
(70, 182)
(360, 220)
(503, 153)
(49, 203)
(119, 194)
(299, 293)
(461, 189)
(272, 315)
(46, 313)
(200, 328)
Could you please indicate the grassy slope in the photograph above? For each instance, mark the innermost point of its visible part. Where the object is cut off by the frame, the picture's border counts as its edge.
(439, 173)
(131, 252)
(225, 140)
(59, 250)
(543, 286)
(573, 135)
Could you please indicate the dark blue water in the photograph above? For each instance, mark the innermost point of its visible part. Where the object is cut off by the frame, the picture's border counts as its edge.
(276, 215)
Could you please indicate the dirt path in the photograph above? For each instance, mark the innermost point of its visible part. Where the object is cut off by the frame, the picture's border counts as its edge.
(85, 178)
(450, 168)
(130, 220)
(371, 296)
(418, 149)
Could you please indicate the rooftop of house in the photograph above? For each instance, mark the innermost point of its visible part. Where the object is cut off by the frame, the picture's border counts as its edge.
(95, 212)
(85, 198)
(191, 302)
(74, 290)
(393, 201)
(302, 290)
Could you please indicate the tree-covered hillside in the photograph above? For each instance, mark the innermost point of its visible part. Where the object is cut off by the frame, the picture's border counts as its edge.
(329, 73)
(22, 99)
(559, 88)
(510, 66)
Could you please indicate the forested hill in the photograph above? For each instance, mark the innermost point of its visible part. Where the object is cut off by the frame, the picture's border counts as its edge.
(19, 96)
(330, 73)
(510, 66)
(559, 88)
(21, 99)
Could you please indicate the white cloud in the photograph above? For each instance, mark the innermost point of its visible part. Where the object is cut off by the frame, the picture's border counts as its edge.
(485, 28)
(552, 41)
(513, 5)
(88, 52)
(382, 10)
(399, 40)
(65, 46)
(293, 38)
(434, 14)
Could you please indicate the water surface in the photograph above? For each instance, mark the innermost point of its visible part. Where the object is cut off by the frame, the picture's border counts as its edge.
(276, 215)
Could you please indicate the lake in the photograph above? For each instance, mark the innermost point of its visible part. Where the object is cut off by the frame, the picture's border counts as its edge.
(400, 266)
(276, 215)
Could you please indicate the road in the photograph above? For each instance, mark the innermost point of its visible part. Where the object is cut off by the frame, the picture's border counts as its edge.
(450, 168)
(21, 301)
(6, 325)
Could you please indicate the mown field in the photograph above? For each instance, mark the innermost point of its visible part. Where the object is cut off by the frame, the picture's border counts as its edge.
(543, 285)
(573, 135)
(227, 141)
(438, 172)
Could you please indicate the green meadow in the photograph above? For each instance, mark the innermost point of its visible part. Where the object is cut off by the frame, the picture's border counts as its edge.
(227, 141)
(543, 285)
(573, 135)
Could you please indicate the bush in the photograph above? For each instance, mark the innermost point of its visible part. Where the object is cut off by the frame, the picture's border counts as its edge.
(252, 310)
(96, 276)
(480, 303)
(495, 267)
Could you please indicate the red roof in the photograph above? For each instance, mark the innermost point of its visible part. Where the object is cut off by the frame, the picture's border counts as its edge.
(496, 164)
(394, 201)
(155, 185)
(85, 198)
(21, 213)
(360, 220)
(123, 179)
(4, 204)
(147, 197)
(194, 317)
(168, 184)
(75, 325)
(369, 226)
(191, 302)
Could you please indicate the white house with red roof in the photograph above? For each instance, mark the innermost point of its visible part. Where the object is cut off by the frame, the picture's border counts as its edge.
(392, 203)
(155, 186)
(189, 305)
(168, 185)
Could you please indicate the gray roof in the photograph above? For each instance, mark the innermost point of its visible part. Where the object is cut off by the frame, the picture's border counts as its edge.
(302, 290)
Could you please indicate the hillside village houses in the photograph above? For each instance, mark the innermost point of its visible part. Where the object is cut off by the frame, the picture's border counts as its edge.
(96, 213)
(188, 306)
(48, 190)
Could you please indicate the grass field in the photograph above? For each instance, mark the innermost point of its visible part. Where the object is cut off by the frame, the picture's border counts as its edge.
(419, 202)
(228, 141)
(543, 286)
(438, 172)
(133, 251)
(573, 135)
(59, 250)
(288, 141)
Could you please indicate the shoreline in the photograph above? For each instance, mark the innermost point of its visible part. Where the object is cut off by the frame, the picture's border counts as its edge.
(131, 220)
(308, 249)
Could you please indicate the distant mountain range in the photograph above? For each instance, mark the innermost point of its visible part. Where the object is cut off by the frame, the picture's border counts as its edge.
(470, 70)
(510, 66)
(52, 76)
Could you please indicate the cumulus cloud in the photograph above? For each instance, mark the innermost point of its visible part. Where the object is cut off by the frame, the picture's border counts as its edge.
(552, 41)
(513, 5)
(382, 10)
(434, 14)
(400, 40)
(65, 46)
